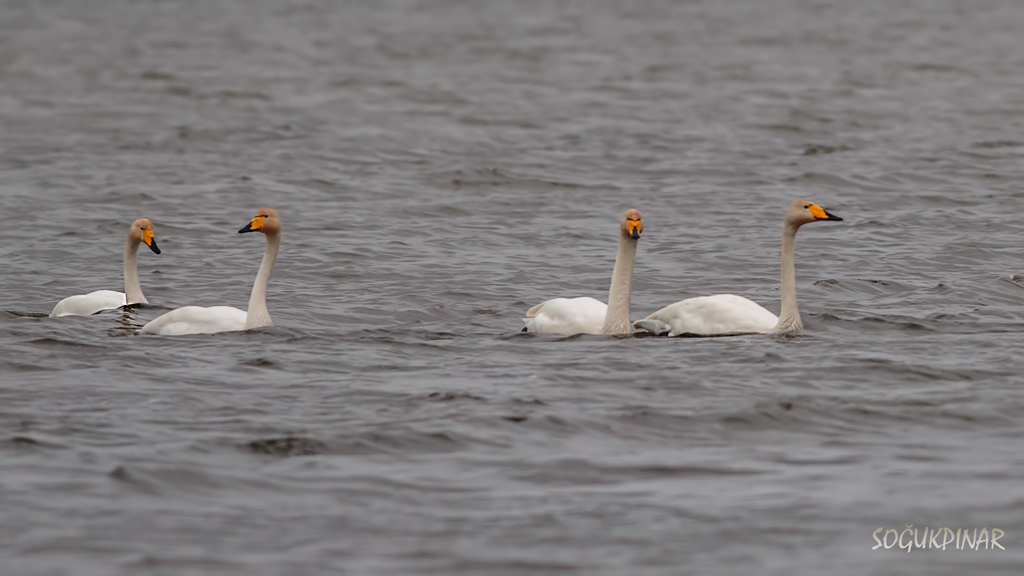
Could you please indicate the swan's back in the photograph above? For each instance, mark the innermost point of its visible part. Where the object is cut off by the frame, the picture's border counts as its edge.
(582, 315)
(88, 304)
(197, 320)
(718, 315)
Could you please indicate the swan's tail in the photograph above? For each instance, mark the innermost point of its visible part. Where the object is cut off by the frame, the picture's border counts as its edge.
(531, 315)
(655, 327)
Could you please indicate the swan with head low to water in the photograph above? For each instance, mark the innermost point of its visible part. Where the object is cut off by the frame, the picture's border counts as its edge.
(587, 315)
(200, 320)
(141, 232)
(731, 315)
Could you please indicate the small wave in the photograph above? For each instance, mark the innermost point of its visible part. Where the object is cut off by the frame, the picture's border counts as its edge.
(821, 149)
(576, 471)
(28, 314)
(454, 396)
(374, 443)
(49, 342)
(259, 362)
(997, 144)
(28, 443)
(287, 446)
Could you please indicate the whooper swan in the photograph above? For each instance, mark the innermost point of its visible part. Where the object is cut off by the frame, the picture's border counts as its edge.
(200, 320)
(728, 314)
(587, 315)
(93, 302)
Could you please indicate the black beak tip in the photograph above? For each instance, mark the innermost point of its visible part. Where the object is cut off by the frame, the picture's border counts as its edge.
(635, 234)
(154, 247)
(833, 217)
(247, 228)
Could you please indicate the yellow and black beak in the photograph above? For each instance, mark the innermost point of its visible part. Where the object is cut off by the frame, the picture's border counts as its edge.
(634, 228)
(819, 213)
(150, 240)
(253, 226)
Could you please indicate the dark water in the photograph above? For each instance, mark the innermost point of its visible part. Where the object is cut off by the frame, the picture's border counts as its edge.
(442, 166)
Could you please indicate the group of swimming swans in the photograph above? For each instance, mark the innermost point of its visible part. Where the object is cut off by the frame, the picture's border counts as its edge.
(189, 319)
(718, 315)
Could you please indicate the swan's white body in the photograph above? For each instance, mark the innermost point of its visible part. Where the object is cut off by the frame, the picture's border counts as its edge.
(731, 315)
(89, 304)
(584, 315)
(197, 320)
(587, 315)
(718, 315)
(200, 320)
(141, 231)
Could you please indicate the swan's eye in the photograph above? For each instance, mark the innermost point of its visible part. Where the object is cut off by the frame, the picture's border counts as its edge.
(807, 206)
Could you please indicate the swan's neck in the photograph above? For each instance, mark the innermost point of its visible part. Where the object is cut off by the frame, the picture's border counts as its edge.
(257, 314)
(789, 316)
(616, 320)
(132, 289)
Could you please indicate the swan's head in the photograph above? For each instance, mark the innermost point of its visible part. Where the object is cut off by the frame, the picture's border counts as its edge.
(803, 211)
(266, 221)
(142, 231)
(632, 225)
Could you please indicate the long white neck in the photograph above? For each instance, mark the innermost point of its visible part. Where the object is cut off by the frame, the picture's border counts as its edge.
(257, 314)
(616, 319)
(132, 289)
(789, 316)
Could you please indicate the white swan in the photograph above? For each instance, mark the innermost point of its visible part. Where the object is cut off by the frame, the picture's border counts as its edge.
(93, 302)
(728, 314)
(587, 315)
(200, 320)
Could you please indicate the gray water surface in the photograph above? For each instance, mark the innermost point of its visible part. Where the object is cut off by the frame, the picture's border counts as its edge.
(439, 168)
